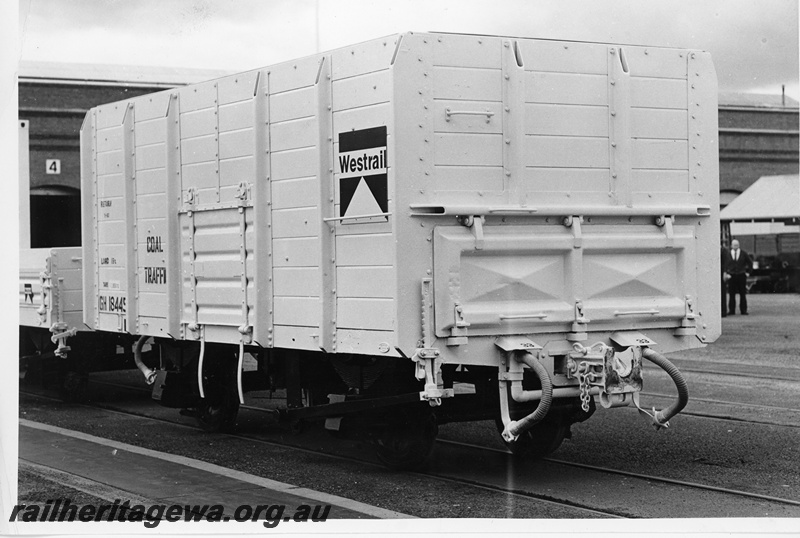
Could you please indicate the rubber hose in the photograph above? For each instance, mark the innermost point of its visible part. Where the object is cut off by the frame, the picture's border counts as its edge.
(680, 383)
(149, 375)
(526, 423)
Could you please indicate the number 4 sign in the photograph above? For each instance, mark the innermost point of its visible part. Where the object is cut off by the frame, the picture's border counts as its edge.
(53, 166)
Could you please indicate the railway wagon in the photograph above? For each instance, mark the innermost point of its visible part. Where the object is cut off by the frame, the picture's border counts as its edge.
(56, 348)
(417, 229)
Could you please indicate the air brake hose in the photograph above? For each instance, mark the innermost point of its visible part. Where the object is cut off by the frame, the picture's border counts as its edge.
(149, 375)
(661, 417)
(515, 428)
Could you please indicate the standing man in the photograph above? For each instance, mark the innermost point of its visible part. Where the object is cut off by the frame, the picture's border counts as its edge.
(737, 265)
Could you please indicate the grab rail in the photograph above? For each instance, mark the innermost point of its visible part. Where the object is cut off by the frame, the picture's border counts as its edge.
(440, 210)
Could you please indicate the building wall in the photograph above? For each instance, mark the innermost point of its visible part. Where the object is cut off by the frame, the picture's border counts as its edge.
(55, 113)
(756, 142)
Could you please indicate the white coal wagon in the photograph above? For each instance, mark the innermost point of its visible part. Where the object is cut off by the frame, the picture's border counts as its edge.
(385, 224)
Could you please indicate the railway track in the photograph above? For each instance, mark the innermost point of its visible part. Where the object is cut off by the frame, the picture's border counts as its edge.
(691, 413)
(650, 478)
(717, 368)
(685, 412)
(578, 511)
(455, 449)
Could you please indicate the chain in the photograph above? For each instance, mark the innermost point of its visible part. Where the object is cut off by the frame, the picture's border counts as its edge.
(586, 371)
(586, 376)
(584, 392)
(584, 385)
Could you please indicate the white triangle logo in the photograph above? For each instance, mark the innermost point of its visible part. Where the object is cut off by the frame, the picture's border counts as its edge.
(363, 203)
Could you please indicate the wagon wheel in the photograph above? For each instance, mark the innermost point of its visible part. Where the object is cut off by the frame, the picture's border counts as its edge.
(540, 441)
(74, 379)
(74, 387)
(217, 412)
(406, 440)
(543, 438)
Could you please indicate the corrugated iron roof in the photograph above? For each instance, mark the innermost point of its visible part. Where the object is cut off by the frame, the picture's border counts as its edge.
(87, 73)
(756, 100)
(770, 198)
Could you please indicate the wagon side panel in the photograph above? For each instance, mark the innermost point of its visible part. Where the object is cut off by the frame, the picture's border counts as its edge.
(295, 203)
(363, 214)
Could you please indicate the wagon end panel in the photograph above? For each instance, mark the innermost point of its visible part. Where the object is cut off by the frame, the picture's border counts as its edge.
(34, 266)
(566, 188)
(50, 289)
(88, 216)
(108, 190)
(629, 130)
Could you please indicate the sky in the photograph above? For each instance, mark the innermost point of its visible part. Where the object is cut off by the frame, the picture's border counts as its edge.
(754, 43)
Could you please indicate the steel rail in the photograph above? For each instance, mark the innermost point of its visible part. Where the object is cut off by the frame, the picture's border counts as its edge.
(655, 395)
(675, 482)
(690, 369)
(349, 459)
(478, 447)
(724, 402)
(728, 417)
(672, 481)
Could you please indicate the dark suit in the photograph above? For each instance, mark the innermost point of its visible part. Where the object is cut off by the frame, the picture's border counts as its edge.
(738, 269)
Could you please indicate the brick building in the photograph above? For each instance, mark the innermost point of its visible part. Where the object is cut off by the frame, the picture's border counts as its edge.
(53, 100)
(758, 136)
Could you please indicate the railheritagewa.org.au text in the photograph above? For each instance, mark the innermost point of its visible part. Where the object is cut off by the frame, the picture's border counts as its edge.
(63, 510)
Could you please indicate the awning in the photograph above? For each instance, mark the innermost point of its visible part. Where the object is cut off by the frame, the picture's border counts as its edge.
(770, 199)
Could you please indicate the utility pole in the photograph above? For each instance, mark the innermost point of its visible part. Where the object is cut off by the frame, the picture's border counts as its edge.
(316, 15)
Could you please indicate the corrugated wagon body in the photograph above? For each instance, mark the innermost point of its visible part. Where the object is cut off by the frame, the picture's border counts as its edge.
(487, 207)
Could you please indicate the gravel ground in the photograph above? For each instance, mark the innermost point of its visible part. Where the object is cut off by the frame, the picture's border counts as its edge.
(769, 335)
(758, 458)
(362, 481)
(35, 488)
(755, 458)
